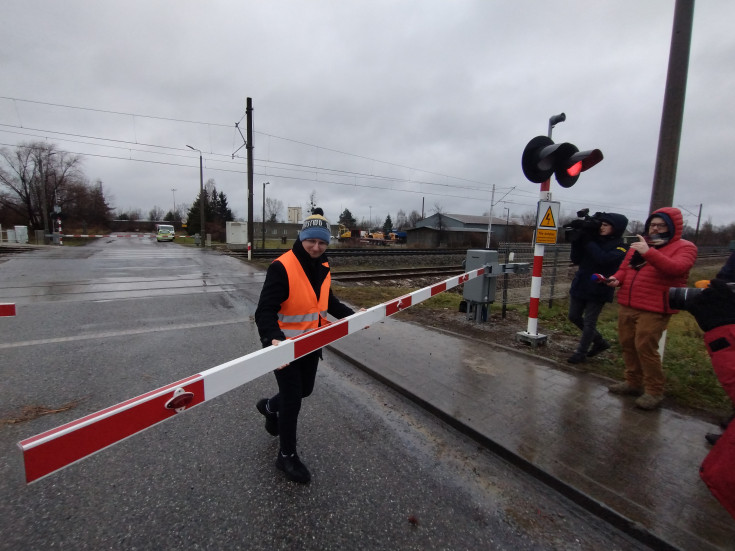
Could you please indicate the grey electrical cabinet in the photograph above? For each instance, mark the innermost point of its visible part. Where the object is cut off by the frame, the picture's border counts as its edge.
(481, 289)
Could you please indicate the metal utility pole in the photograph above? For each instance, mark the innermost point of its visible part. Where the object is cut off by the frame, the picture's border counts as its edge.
(507, 260)
(249, 147)
(201, 198)
(669, 138)
(173, 191)
(263, 244)
(553, 121)
(44, 203)
(490, 219)
(699, 217)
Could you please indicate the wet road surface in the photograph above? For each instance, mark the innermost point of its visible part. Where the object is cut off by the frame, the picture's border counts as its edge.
(99, 324)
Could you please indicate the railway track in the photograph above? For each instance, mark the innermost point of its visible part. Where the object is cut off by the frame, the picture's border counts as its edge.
(356, 251)
(448, 271)
(396, 273)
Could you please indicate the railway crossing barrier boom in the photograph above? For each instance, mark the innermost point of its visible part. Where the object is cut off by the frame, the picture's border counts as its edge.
(58, 448)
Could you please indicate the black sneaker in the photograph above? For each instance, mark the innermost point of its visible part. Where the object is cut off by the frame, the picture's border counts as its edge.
(293, 468)
(271, 419)
(576, 358)
(598, 347)
(712, 438)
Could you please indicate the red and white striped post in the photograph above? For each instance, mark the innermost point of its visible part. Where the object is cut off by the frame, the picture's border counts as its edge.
(531, 334)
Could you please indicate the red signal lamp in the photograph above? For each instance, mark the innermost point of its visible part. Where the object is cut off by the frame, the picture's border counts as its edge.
(542, 158)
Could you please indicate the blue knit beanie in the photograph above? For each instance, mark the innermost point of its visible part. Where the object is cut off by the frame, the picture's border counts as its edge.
(315, 227)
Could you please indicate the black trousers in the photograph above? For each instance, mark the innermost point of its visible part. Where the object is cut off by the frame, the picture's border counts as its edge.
(295, 382)
(584, 314)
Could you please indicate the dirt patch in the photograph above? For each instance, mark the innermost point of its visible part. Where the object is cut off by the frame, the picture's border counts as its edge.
(29, 413)
(558, 346)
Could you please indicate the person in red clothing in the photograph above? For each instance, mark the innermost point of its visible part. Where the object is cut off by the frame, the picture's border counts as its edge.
(714, 310)
(653, 264)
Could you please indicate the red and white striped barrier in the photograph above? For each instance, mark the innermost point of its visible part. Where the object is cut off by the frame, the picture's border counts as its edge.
(55, 449)
(111, 235)
(7, 309)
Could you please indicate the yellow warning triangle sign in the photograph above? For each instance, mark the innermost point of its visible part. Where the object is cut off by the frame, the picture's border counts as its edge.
(548, 221)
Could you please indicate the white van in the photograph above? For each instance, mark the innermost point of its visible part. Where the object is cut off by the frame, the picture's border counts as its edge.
(164, 232)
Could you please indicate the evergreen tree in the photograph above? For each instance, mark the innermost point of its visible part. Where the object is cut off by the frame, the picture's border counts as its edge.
(387, 225)
(194, 224)
(347, 220)
(223, 210)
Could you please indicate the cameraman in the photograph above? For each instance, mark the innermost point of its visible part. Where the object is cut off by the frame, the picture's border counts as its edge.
(597, 248)
(706, 315)
(653, 264)
(714, 310)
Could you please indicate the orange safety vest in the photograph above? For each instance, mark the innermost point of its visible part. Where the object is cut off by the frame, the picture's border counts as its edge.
(301, 311)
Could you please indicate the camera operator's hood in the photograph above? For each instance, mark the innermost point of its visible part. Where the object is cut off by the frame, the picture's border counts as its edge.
(617, 221)
(673, 218)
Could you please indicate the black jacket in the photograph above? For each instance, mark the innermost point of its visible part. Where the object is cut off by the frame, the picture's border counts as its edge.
(275, 292)
(601, 255)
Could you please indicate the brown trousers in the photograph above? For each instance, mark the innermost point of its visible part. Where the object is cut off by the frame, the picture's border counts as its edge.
(639, 333)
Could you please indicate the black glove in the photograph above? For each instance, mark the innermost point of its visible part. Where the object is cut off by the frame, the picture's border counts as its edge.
(715, 306)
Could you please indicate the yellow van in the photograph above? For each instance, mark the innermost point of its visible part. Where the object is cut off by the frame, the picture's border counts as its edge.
(164, 233)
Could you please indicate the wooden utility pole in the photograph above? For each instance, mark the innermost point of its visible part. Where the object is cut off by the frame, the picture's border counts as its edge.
(669, 138)
(249, 147)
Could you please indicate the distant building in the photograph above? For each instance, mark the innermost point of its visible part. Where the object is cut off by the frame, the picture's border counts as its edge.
(294, 215)
(464, 230)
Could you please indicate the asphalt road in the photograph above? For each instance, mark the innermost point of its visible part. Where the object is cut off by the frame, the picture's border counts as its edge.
(96, 325)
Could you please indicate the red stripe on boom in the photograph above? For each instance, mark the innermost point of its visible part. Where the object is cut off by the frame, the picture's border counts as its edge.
(439, 288)
(309, 343)
(397, 305)
(56, 453)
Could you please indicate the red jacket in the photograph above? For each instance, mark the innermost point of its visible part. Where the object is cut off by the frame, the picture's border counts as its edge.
(647, 288)
(716, 469)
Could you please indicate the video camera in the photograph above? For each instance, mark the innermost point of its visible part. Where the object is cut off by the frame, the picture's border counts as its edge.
(585, 225)
(681, 298)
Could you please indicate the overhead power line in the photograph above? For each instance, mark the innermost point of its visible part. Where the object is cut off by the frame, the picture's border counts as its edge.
(283, 165)
(306, 173)
(115, 112)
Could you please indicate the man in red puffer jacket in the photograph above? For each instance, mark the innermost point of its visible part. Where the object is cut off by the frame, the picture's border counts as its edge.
(653, 264)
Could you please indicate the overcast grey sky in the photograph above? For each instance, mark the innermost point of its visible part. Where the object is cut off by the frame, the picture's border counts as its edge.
(375, 105)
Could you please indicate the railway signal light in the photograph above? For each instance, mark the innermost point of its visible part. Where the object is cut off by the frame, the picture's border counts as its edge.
(542, 158)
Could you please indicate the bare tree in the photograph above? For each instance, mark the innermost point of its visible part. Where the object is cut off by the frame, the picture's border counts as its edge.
(401, 220)
(209, 186)
(528, 218)
(312, 202)
(273, 210)
(413, 218)
(156, 213)
(636, 227)
(35, 177)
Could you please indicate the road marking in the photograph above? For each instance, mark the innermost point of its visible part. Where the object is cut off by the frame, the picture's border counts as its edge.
(127, 332)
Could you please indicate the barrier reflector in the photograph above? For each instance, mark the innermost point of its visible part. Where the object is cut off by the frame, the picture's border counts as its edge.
(7, 309)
